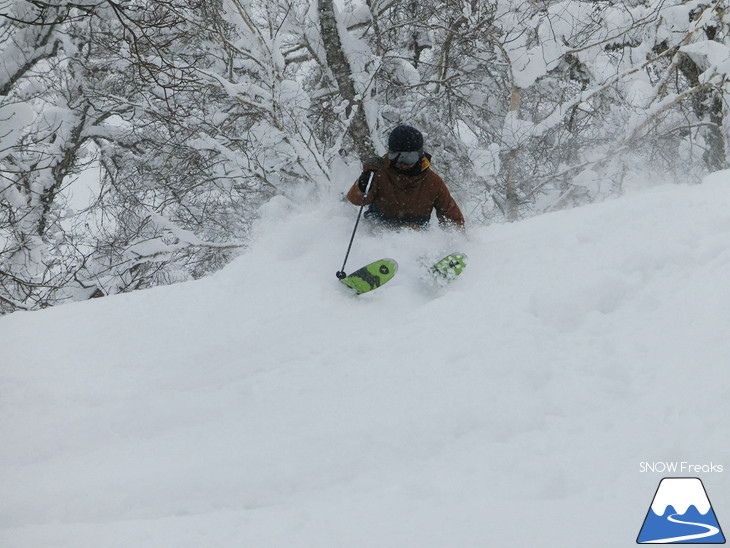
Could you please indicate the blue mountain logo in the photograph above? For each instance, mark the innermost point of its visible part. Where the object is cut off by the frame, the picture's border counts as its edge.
(681, 513)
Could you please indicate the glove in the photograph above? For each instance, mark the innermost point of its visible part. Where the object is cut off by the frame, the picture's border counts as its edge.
(371, 165)
(362, 182)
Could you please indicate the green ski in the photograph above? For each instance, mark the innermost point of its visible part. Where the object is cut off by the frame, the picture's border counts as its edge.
(371, 276)
(450, 267)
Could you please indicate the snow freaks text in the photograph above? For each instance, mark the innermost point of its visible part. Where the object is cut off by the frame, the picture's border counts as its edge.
(678, 467)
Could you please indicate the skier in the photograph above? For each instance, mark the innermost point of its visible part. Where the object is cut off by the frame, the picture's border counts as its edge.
(404, 189)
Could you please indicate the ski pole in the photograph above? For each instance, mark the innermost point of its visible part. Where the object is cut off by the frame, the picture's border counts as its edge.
(341, 273)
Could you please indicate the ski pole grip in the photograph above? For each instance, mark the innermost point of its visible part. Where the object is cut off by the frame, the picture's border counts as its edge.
(367, 188)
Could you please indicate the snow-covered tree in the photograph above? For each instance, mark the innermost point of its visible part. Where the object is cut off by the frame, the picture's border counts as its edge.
(186, 116)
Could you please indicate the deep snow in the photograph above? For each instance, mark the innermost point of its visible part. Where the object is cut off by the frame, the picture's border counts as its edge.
(265, 407)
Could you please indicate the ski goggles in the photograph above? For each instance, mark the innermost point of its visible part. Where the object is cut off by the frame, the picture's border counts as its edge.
(406, 157)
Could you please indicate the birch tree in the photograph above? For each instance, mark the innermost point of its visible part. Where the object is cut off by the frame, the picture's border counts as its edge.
(342, 71)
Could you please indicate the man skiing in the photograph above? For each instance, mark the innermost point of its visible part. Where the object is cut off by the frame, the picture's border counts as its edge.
(404, 189)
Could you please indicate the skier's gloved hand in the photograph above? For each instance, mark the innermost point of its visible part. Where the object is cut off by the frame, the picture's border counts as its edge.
(362, 182)
(369, 166)
(374, 163)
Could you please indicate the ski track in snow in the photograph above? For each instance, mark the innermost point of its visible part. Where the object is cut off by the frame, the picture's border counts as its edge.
(264, 406)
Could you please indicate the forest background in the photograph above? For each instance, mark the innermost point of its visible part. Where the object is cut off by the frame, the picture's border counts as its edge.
(139, 138)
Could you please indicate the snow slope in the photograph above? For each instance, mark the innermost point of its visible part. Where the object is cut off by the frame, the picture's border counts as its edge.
(265, 407)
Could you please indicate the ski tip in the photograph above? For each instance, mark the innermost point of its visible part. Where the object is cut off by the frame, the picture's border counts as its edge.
(371, 276)
(450, 266)
(458, 255)
(394, 263)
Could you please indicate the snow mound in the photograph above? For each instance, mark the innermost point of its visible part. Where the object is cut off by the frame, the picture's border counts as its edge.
(265, 406)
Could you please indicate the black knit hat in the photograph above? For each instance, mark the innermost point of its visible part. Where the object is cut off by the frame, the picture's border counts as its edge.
(405, 138)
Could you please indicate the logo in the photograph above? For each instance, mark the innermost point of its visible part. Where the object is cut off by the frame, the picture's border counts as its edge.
(680, 513)
(677, 467)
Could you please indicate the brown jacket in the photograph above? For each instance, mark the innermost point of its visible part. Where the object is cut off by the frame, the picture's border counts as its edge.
(407, 200)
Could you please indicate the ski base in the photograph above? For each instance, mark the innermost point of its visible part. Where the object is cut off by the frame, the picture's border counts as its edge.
(371, 276)
(450, 267)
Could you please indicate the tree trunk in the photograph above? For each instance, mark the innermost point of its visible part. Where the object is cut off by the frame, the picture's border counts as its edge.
(707, 106)
(509, 159)
(358, 130)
